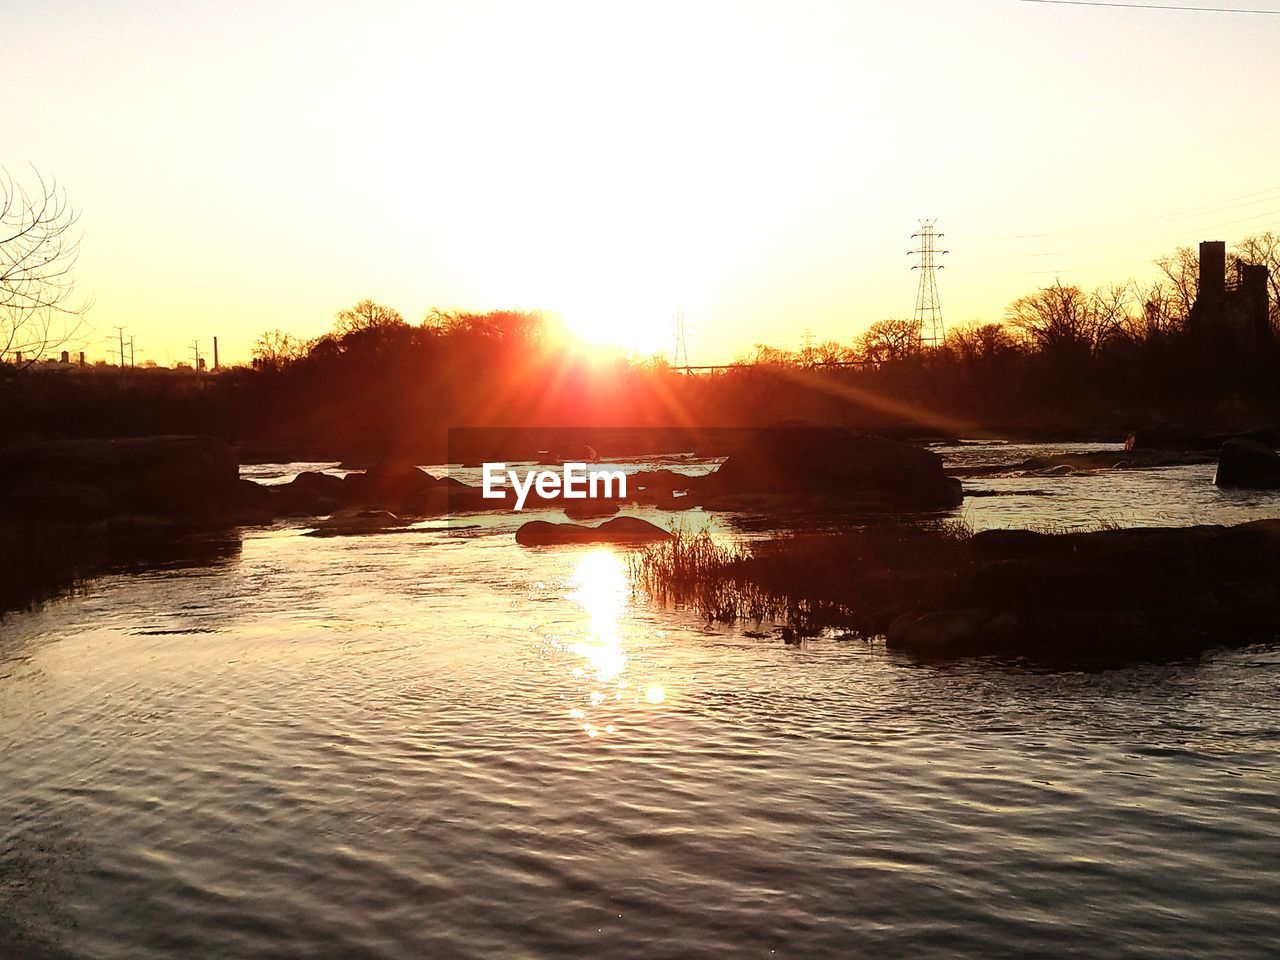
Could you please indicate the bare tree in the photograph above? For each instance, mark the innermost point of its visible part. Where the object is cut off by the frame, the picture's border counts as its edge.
(1110, 312)
(832, 351)
(276, 349)
(1055, 319)
(889, 340)
(38, 253)
(1163, 312)
(367, 315)
(1182, 271)
(982, 341)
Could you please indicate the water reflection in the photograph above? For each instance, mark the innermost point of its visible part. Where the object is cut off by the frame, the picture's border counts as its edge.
(600, 585)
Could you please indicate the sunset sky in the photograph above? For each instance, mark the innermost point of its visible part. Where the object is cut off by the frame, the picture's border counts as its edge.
(241, 166)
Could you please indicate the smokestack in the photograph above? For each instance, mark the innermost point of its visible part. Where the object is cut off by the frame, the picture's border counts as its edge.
(1213, 268)
(215, 353)
(1254, 298)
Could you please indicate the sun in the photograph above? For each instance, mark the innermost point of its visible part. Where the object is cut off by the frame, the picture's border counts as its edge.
(644, 330)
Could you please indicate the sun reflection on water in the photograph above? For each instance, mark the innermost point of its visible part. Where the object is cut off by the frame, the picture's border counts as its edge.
(600, 585)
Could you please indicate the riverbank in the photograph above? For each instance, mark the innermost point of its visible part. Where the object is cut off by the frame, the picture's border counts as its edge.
(939, 590)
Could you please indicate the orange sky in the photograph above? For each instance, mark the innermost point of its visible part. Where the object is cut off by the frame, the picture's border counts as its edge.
(242, 166)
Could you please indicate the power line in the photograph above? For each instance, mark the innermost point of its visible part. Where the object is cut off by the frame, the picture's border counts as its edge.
(1257, 199)
(1185, 8)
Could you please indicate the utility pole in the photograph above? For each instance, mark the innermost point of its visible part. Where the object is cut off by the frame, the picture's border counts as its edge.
(195, 349)
(120, 333)
(928, 314)
(682, 348)
(131, 363)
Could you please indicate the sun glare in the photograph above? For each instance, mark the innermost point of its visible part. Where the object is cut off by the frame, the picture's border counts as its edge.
(604, 324)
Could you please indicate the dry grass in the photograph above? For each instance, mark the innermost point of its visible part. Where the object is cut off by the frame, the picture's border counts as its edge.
(854, 580)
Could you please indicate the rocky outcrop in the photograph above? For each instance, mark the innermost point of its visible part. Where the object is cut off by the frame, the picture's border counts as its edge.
(1248, 463)
(190, 479)
(358, 523)
(589, 509)
(1178, 437)
(394, 486)
(1171, 436)
(858, 470)
(311, 493)
(1111, 594)
(540, 533)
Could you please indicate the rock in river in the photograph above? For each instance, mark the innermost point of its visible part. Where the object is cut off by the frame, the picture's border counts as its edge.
(861, 470)
(1247, 463)
(182, 478)
(540, 533)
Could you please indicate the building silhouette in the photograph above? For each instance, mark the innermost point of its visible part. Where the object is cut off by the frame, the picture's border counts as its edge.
(1234, 308)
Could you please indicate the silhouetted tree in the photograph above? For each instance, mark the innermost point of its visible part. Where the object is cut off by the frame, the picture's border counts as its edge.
(833, 351)
(1058, 320)
(38, 254)
(1182, 271)
(1110, 314)
(1162, 314)
(275, 348)
(887, 341)
(367, 315)
(978, 342)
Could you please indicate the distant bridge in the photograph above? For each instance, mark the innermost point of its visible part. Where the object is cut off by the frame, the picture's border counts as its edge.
(711, 368)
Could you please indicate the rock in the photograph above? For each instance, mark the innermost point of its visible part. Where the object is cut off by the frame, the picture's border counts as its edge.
(255, 504)
(1247, 463)
(357, 523)
(658, 484)
(47, 500)
(861, 470)
(939, 634)
(193, 479)
(129, 526)
(311, 494)
(540, 533)
(1170, 437)
(589, 509)
(404, 488)
(1182, 438)
(326, 485)
(392, 486)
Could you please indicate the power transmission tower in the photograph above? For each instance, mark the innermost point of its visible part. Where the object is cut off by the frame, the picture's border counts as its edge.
(928, 315)
(808, 347)
(682, 348)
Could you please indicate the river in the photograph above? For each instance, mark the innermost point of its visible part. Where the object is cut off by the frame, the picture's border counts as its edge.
(438, 744)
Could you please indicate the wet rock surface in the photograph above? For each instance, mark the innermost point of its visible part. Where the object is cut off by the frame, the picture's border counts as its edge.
(1109, 594)
(1244, 462)
(541, 533)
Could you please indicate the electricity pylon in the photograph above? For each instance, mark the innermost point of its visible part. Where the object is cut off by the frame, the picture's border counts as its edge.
(682, 349)
(928, 315)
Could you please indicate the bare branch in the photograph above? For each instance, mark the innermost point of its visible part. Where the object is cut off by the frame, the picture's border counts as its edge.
(38, 256)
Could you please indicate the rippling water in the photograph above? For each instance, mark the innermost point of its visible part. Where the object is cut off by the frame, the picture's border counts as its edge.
(438, 744)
